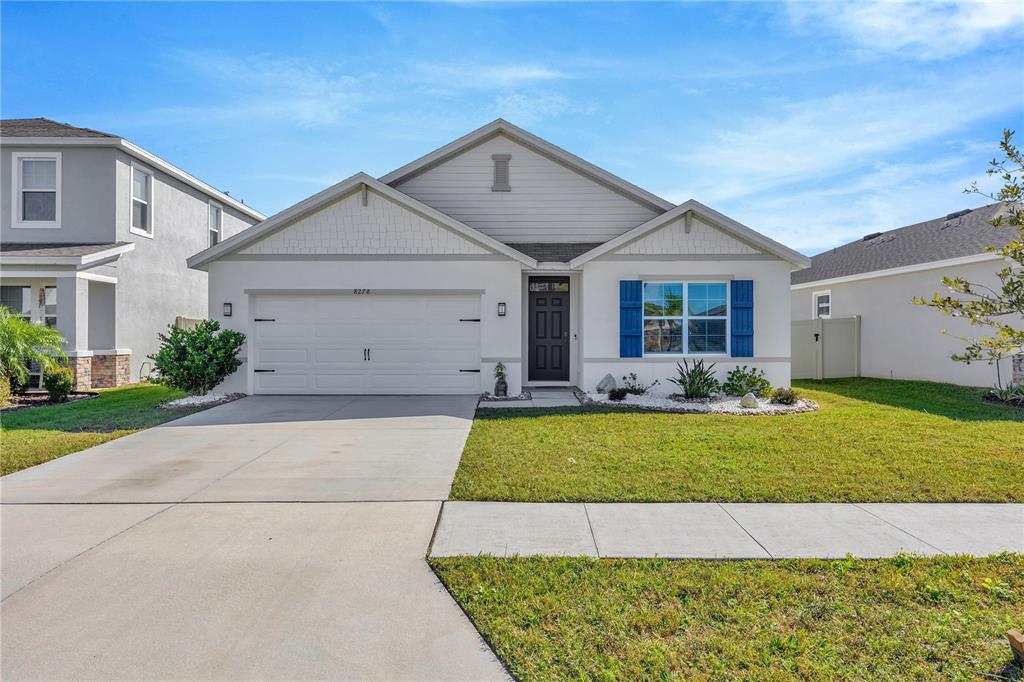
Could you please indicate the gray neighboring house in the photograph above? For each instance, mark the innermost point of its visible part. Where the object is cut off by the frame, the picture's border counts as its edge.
(94, 233)
(877, 278)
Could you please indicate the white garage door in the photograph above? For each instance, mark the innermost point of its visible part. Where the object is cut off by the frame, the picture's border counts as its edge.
(363, 344)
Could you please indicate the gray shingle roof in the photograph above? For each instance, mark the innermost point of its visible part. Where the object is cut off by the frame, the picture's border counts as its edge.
(966, 233)
(44, 127)
(556, 252)
(55, 250)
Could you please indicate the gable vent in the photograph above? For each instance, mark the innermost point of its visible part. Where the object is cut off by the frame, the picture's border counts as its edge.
(501, 173)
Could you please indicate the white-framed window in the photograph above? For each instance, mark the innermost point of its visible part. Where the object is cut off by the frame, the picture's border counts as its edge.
(141, 214)
(17, 298)
(821, 305)
(36, 178)
(686, 318)
(215, 221)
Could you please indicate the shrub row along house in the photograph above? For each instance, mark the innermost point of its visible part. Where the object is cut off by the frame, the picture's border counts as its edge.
(497, 247)
(94, 233)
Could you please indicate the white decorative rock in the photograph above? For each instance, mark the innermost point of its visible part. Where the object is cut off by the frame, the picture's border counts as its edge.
(606, 384)
(749, 401)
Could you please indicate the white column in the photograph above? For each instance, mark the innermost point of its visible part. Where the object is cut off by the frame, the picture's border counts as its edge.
(73, 312)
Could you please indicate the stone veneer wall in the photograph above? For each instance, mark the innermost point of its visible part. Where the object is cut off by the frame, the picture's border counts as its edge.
(83, 372)
(111, 370)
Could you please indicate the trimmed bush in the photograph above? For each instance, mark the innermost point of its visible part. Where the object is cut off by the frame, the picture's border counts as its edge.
(196, 360)
(785, 396)
(618, 394)
(743, 380)
(59, 381)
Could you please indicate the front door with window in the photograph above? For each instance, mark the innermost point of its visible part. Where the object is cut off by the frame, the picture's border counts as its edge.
(549, 328)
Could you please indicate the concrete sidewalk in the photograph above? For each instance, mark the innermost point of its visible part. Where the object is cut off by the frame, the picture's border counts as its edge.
(727, 531)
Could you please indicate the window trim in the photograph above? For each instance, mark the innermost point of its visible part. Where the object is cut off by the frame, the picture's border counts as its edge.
(814, 304)
(139, 168)
(220, 228)
(686, 317)
(16, 190)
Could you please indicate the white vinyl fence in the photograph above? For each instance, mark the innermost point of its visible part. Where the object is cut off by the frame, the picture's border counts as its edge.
(826, 349)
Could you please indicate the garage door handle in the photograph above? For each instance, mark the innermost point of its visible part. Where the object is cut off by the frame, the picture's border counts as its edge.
(470, 370)
(469, 319)
(263, 370)
(264, 319)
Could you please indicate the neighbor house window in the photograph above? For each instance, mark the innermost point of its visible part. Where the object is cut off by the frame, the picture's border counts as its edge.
(215, 221)
(50, 306)
(142, 201)
(18, 299)
(37, 189)
(685, 317)
(822, 303)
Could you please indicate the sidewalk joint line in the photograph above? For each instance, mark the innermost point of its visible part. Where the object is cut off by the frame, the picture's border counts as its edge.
(89, 549)
(902, 530)
(590, 525)
(720, 506)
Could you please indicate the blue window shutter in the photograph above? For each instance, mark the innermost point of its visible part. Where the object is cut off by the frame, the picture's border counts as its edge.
(631, 318)
(742, 320)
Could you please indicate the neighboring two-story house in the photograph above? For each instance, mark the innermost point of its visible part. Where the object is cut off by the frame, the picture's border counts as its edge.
(497, 247)
(94, 233)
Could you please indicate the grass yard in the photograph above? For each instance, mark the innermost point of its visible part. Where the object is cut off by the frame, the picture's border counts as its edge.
(649, 619)
(873, 440)
(36, 435)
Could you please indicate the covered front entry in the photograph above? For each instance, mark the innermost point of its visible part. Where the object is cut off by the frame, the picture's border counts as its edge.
(366, 343)
(549, 329)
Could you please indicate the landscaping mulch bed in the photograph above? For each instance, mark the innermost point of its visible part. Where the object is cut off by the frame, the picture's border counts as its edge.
(29, 400)
(525, 395)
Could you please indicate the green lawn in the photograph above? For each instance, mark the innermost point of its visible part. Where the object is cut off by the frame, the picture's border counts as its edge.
(648, 619)
(36, 435)
(872, 440)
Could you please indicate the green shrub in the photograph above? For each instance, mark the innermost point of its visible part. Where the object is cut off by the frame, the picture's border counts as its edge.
(618, 394)
(59, 381)
(743, 380)
(196, 360)
(1013, 394)
(22, 343)
(698, 381)
(785, 396)
(631, 384)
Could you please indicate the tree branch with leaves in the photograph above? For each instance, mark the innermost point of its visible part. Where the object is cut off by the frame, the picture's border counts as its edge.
(1000, 309)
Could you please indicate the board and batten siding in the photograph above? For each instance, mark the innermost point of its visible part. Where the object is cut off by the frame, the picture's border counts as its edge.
(547, 201)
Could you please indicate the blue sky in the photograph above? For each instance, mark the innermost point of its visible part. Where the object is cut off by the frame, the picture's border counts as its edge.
(813, 123)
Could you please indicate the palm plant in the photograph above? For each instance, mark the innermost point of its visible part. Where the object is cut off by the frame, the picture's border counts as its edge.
(698, 381)
(22, 343)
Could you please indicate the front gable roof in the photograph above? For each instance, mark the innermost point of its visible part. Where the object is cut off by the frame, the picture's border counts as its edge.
(718, 220)
(309, 206)
(537, 144)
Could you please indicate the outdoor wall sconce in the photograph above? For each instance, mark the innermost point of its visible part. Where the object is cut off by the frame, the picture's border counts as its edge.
(227, 310)
(501, 309)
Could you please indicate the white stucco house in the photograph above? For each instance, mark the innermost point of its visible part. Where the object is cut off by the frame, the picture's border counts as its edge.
(876, 279)
(497, 247)
(94, 232)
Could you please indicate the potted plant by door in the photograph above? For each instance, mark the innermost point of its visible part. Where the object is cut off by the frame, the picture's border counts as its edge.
(500, 385)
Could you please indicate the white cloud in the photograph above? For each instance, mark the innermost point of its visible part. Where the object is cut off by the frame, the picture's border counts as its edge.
(529, 108)
(810, 140)
(919, 30)
(457, 75)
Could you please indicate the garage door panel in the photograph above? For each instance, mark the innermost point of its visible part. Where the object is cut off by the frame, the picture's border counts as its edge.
(417, 344)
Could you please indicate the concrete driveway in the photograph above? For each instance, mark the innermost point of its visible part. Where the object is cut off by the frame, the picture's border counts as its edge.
(267, 538)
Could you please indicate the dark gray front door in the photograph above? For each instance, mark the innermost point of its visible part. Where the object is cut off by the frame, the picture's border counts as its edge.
(549, 328)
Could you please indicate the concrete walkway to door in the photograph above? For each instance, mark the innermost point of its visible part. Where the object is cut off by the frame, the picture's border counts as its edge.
(270, 538)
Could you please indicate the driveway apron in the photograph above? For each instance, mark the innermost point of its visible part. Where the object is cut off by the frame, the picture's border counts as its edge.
(272, 537)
